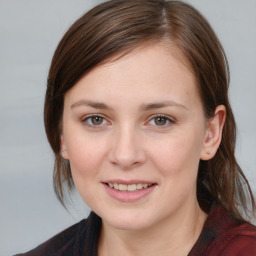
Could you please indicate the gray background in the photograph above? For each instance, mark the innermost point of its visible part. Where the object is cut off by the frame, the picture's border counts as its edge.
(29, 33)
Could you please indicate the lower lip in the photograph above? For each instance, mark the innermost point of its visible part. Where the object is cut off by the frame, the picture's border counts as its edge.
(127, 196)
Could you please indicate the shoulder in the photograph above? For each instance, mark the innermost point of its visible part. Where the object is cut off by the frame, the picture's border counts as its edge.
(237, 241)
(232, 236)
(225, 235)
(243, 244)
(76, 240)
(60, 244)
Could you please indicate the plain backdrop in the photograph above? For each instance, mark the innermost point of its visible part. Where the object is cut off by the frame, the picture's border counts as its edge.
(29, 33)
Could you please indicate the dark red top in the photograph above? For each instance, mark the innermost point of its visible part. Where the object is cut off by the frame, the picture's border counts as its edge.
(222, 235)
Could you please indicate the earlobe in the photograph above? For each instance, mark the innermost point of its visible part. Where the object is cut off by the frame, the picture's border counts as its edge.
(63, 148)
(214, 133)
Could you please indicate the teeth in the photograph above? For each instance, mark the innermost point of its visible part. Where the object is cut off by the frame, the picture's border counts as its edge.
(130, 187)
(122, 187)
(139, 186)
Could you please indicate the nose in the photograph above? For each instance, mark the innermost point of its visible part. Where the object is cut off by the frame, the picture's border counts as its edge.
(127, 149)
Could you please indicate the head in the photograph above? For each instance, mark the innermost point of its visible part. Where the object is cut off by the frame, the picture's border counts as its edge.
(115, 29)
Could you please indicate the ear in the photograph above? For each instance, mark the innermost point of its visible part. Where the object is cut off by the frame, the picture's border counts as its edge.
(63, 148)
(213, 133)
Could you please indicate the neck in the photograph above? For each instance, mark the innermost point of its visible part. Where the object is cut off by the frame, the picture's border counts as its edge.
(174, 235)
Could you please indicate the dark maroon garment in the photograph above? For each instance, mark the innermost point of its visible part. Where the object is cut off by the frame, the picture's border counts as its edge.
(222, 235)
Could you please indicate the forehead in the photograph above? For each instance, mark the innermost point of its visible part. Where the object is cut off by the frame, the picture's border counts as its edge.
(158, 70)
(166, 46)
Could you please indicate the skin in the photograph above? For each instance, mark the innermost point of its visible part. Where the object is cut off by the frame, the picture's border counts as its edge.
(129, 143)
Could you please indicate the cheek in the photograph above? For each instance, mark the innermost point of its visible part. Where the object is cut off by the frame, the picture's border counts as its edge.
(86, 157)
(176, 159)
(86, 154)
(177, 155)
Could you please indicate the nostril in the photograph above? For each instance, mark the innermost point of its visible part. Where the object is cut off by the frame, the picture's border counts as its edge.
(126, 152)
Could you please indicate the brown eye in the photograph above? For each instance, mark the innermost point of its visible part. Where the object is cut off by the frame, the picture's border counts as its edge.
(160, 121)
(96, 120)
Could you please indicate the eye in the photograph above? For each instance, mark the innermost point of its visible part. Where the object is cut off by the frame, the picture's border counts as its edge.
(161, 120)
(94, 121)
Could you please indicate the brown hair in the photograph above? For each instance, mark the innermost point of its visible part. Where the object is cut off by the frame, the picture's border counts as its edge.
(116, 27)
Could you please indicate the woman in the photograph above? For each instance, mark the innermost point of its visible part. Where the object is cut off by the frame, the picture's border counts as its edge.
(138, 116)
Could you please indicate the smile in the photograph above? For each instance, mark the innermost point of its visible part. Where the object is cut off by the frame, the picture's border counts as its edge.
(131, 191)
(129, 187)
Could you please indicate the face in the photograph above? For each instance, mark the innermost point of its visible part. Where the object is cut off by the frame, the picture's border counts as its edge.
(134, 132)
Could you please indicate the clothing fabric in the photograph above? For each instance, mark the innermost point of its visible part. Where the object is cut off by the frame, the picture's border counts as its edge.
(222, 235)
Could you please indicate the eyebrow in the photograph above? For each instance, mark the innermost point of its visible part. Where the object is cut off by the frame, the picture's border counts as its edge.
(97, 105)
(143, 107)
(156, 105)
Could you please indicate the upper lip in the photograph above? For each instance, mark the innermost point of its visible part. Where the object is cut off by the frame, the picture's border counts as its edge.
(128, 182)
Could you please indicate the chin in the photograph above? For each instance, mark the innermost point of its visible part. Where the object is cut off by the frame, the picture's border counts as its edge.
(128, 221)
(132, 225)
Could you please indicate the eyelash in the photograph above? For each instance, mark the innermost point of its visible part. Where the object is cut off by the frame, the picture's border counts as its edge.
(165, 117)
(86, 121)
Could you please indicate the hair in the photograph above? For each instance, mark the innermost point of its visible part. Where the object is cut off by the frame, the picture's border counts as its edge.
(116, 27)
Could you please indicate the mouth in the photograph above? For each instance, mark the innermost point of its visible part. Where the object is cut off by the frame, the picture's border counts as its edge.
(129, 187)
(129, 191)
